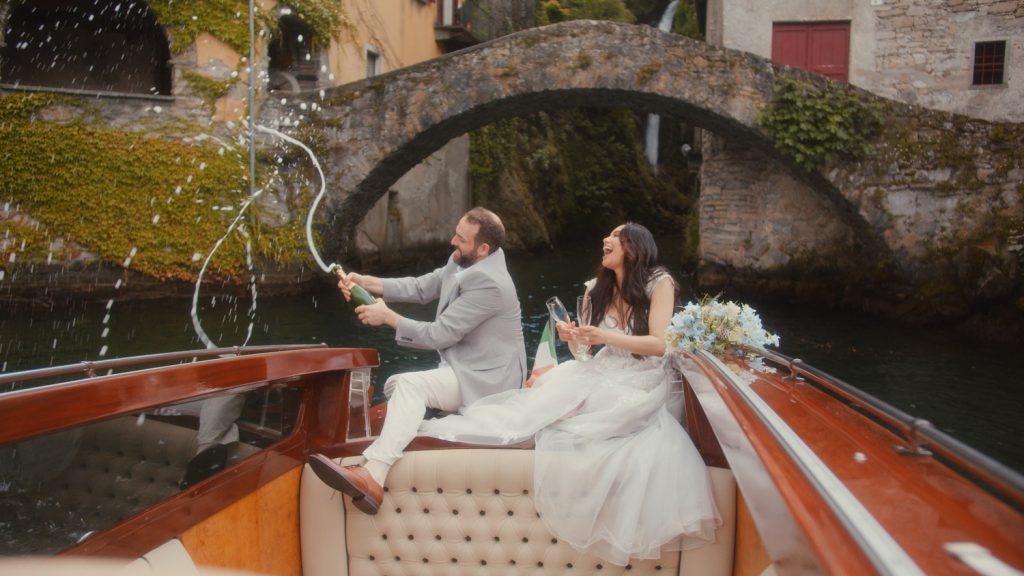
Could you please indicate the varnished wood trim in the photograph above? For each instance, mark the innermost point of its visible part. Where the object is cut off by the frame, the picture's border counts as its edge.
(764, 475)
(750, 557)
(158, 524)
(37, 411)
(321, 374)
(700, 431)
(259, 533)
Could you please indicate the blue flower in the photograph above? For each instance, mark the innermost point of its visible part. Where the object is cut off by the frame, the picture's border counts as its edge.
(712, 325)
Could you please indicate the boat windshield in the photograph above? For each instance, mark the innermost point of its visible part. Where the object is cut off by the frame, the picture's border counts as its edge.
(58, 489)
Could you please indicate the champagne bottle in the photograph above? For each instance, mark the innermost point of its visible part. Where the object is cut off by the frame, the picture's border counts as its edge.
(360, 296)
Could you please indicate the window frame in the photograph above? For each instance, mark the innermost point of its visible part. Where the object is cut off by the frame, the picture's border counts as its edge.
(974, 65)
(377, 62)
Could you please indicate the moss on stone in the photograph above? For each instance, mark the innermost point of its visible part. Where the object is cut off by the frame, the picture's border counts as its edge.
(646, 72)
(339, 99)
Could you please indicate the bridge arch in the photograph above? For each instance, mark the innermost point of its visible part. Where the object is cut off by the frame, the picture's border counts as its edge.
(379, 128)
(927, 188)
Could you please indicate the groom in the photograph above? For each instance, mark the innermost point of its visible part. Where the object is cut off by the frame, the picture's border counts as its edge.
(477, 331)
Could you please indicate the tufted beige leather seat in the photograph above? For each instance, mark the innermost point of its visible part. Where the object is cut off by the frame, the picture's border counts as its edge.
(470, 511)
(118, 468)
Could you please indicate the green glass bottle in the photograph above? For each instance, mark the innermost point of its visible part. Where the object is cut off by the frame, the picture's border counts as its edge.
(360, 296)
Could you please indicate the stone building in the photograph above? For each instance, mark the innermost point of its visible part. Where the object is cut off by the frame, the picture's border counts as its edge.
(142, 64)
(962, 56)
(760, 220)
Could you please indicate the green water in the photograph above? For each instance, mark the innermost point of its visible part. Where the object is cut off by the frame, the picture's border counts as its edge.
(969, 390)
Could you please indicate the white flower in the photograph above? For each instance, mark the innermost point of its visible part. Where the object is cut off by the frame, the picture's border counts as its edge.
(714, 326)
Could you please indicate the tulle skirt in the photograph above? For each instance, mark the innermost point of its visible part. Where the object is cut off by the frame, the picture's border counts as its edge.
(615, 475)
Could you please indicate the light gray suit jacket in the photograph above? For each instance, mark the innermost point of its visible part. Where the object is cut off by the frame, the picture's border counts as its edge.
(478, 329)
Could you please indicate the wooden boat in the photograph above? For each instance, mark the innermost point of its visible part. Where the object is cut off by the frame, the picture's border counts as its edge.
(811, 475)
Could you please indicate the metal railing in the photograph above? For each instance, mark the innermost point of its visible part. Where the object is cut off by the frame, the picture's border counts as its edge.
(90, 368)
(921, 437)
(879, 547)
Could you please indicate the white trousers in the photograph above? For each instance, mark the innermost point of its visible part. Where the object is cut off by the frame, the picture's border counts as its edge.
(217, 421)
(409, 395)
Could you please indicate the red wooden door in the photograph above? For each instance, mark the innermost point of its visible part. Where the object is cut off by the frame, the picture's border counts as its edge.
(823, 48)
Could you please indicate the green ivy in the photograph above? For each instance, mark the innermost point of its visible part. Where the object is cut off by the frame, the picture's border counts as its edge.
(579, 170)
(814, 125)
(111, 191)
(228, 20)
(325, 18)
(552, 11)
(207, 88)
(23, 106)
(27, 241)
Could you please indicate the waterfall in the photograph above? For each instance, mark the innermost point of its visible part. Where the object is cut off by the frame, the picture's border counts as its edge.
(653, 120)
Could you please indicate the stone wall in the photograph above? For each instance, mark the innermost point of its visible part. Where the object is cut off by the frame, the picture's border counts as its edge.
(489, 19)
(756, 217)
(915, 51)
(209, 101)
(935, 232)
(924, 55)
(935, 229)
(419, 212)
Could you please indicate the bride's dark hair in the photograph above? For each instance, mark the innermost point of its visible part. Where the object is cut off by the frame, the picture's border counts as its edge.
(640, 261)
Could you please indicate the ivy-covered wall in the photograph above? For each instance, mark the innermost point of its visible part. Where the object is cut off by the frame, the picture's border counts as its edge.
(228, 20)
(157, 205)
(150, 186)
(933, 232)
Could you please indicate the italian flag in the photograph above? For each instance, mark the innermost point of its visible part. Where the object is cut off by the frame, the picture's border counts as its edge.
(545, 359)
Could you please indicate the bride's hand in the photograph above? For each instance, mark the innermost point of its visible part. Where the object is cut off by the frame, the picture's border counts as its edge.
(591, 335)
(565, 330)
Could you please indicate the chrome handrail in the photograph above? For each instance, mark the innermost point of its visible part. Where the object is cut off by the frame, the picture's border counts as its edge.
(89, 368)
(921, 437)
(881, 549)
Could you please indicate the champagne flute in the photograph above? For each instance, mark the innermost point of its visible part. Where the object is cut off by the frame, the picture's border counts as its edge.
(583, 314)
(557, 311)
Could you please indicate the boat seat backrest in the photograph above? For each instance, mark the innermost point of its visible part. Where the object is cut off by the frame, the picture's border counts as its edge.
(470, 511)
(106, 472)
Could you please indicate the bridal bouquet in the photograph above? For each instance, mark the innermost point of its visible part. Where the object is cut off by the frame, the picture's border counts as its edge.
(715, 326)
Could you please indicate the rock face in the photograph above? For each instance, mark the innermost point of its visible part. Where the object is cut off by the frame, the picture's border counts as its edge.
(887, 226)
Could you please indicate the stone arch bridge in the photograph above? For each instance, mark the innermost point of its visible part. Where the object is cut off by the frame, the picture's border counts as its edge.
(936, 185)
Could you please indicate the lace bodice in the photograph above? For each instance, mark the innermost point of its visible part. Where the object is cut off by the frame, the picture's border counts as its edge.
(610, 323)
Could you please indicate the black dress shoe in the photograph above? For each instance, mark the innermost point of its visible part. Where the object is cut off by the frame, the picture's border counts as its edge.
(203, 465)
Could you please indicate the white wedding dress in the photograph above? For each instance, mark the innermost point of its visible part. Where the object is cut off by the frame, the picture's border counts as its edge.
(615, 475)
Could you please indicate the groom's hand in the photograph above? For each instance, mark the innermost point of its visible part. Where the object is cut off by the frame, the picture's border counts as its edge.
(377, 314)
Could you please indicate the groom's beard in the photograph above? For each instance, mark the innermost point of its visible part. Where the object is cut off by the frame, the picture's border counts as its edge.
(466, 260)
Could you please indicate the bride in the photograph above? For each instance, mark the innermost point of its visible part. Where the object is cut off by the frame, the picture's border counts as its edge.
(615, 475)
